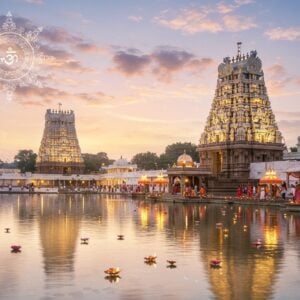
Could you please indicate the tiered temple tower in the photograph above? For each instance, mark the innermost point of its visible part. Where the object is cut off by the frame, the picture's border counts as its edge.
(59, 152)
(241, 126)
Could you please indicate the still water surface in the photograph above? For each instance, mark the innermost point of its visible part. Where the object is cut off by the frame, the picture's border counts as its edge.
(54, 264)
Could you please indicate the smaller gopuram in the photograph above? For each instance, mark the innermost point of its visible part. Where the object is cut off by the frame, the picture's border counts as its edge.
(59, 152)
(241, 126)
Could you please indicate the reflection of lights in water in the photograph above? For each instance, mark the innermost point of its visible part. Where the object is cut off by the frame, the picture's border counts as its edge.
(160, 220)
(18, 204)
(42, 205)
(83, 203)
(186, 222)
(144, 216)
(271, 237)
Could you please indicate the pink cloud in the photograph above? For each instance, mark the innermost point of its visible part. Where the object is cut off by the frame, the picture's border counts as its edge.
(235, 23)
(164, 61)
(131, 62)
(213, 19)
(285, 34)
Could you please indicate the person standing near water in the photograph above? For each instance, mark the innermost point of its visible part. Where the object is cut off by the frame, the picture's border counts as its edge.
(262, 195)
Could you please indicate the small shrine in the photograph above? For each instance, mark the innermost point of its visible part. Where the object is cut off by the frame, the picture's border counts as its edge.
(185, 173)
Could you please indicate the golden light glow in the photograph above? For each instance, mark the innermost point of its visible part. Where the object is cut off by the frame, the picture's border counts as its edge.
(270, 177)
(160, 220)
(144, 180)
(144, 216)
(271, 237)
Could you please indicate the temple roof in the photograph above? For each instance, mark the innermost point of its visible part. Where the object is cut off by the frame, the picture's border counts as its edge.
(185, 160)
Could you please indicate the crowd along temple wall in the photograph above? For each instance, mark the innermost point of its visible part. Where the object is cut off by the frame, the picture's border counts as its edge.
(59, 152)
(241, 126)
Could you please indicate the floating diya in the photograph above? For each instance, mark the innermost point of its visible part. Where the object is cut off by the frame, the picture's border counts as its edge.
(112, 271)
(15, 248)
(150, 259)
(215, 263)
(172, 264)
(84, 240)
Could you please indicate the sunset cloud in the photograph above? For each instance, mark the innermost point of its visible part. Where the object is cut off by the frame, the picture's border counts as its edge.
(32, 95)
(238, 23)
(211, 19)
(52, 37)
(41, 96)
(98, 98)
(163, 62)
(135, 18)
(276, 70)
(277, 79)
(284, 34)
(131, 62)
(169, 60)
(191, 21)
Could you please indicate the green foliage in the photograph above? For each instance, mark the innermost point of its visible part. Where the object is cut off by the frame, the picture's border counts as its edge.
(293, 149)
(25, 160)
(149, 160)
(93, 162)
(146, 161)
(174, 150)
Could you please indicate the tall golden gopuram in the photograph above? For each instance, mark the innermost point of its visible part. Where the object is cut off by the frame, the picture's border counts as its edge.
(241, 126)
(60, 152)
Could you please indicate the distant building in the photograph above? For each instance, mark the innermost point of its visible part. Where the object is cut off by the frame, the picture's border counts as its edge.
(241, 127)
(293, 155)
(59, 152)
(122, 172)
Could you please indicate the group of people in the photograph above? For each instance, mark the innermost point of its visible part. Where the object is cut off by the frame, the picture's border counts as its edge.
(269, 191)
(191, 192)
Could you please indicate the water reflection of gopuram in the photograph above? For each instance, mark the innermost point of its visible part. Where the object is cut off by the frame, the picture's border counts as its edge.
(59, 227)
(247, 272)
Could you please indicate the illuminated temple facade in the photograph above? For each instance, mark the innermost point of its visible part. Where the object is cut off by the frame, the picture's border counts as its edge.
(59, 152)
(241, 127)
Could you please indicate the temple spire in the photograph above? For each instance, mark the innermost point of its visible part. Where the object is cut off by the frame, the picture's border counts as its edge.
(239, 47)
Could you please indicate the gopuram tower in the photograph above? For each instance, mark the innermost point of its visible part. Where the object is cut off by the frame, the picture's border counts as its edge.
(59, 152)
(241, 126)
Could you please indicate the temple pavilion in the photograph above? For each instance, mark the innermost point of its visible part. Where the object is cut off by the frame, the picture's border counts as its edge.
(185, 173)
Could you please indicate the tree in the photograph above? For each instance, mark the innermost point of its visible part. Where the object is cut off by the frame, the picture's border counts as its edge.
(146, 161)
(293, 149)
(173, 151)
(25, 160)
(93, 162)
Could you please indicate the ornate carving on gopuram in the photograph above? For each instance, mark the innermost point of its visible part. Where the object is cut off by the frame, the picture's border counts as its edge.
(59, 152)
(241, 119)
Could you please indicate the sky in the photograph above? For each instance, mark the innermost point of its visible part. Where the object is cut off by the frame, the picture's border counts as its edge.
(141, 75)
